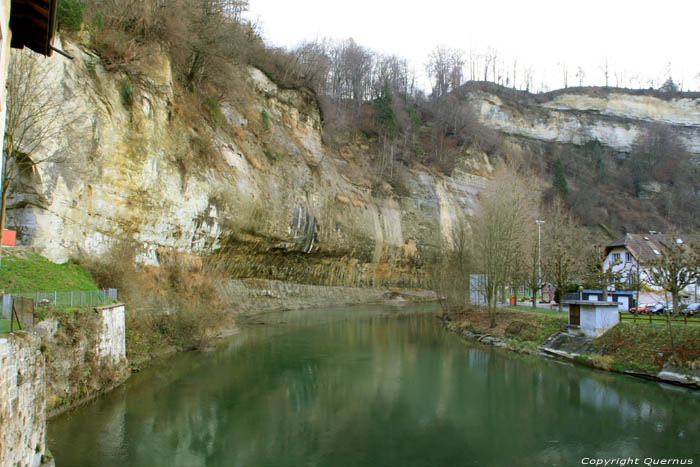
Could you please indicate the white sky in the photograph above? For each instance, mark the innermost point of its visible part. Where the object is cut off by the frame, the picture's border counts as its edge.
(636, 36)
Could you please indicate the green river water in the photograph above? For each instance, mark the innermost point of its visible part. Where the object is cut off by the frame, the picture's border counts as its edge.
(373, 386)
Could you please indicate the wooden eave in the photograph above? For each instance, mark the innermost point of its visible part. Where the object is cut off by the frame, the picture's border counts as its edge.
(33, 25)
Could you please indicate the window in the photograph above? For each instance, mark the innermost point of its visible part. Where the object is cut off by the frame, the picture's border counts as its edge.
(616, 257)
(628, 257)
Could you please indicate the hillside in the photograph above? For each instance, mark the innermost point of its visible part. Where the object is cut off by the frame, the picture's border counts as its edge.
(631, 158)
(259, 187)
(255, 163)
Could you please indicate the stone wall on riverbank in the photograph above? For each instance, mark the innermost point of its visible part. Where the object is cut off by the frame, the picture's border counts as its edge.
(22, 400)
(85, 355)
(258, 295)
(55, 365)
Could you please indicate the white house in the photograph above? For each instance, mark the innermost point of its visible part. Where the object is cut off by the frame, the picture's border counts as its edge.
(630, 253)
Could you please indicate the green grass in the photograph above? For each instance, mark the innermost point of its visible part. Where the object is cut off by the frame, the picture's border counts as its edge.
(545, 311)
(4, 325)
(641, 348)
(30, 272)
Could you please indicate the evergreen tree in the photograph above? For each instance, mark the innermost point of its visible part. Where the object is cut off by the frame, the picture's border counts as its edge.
(384, 112)
(669, 86)
(560, 183)
(70, 14)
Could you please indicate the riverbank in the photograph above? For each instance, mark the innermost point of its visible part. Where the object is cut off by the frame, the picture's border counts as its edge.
(155, 335)
(74, 376)
(367, 386)
(629, 349)
(519, 331)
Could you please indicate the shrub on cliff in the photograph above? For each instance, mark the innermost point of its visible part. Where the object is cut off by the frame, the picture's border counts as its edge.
(70, 15)
(174, 305)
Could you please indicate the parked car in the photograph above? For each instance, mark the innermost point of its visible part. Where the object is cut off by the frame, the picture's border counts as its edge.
(642, 308)
(690, 310)
(657, 308)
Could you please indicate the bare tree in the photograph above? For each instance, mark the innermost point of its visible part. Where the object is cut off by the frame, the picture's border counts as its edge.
(531, 266)
(312, 64)
(675, 268)
(529, 77)
(446, 69)
(605, 68)
(560, 261)
(635, 282)
(565, 73)
(657, 155)
(33, 115)
(451, 274)
(580, 75)
(498, 233)
(597, 274)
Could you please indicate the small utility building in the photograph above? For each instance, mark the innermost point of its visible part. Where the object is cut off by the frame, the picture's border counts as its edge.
(623, 298)
(592, 318)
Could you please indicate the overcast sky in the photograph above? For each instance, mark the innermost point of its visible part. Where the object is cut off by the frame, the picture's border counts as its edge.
(636, 36)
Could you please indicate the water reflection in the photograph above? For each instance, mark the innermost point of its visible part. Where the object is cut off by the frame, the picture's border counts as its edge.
(371, 387)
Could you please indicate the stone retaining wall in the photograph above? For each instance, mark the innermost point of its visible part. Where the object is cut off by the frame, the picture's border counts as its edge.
(45, 367)
(22, 400)
(258, 295)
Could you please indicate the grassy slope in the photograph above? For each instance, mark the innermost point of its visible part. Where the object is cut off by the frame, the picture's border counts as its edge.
(31, 272)
(627, 347)
(641, 348)
(523, 329)
(546, 311)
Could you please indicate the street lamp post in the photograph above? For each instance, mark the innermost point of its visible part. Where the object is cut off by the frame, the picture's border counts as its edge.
(539, 257)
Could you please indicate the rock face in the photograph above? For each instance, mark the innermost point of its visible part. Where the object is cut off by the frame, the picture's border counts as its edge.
(259, 187)
(614, 119)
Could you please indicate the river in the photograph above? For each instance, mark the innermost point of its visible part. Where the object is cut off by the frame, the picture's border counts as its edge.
(372, 386)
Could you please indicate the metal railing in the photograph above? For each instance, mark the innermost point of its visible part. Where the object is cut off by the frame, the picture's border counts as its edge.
(572, 296)
(61, 299)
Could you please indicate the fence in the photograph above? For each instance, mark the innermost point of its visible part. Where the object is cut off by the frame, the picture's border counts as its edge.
(572, 296)
(58, 299)
(662, 318)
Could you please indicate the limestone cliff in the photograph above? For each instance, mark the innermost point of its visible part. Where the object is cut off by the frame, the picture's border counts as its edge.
(258, 187)
(613, 118)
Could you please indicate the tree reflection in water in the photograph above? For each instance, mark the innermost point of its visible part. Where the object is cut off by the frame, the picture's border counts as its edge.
(371, 386)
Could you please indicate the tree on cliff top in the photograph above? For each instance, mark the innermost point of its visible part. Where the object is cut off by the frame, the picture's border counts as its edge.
(384, 112)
